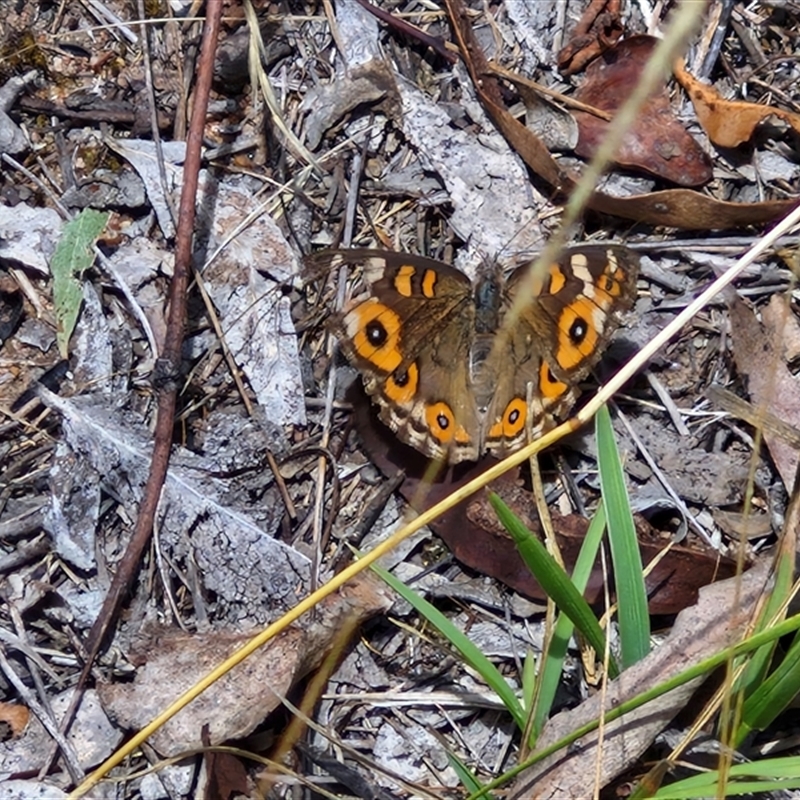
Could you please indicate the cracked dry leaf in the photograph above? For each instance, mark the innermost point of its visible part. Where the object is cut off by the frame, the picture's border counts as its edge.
(487, 187)
(28, 236)
(251, 575)
(243, 697)
(245, 280)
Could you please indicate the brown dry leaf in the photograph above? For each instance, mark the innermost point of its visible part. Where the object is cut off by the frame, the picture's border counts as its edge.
(241, 699)
(16, 716)
(690, 210)
(758, 352)
(657, 143)
(677, 208)
(728, 123)
(227, 775)
(718, 620)
(737, 525)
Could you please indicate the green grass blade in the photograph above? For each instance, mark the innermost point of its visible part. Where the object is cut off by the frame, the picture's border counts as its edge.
(766, 775)
(758, 668)
(468, 780)
(773, 695)
(633, 616)
(705, 667)
(73, 255)
(472, 655)
(528, 679)
(553, 663)
(553, 579)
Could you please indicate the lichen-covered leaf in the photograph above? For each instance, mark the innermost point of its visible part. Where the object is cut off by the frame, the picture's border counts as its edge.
(72, 257)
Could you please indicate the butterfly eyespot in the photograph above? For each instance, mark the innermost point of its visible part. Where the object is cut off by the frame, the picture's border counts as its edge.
(376, 333)
(578, 330)
(513, 421)
(442, 423)
(611, 284)
(579, 327)
(401, 385)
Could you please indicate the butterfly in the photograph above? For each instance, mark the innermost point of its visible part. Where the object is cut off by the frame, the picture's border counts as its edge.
(450, 372)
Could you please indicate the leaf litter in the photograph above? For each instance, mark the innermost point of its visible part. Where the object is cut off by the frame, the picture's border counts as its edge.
(242, 531)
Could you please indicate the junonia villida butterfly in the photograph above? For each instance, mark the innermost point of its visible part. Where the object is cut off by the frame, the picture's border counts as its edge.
(424, 338)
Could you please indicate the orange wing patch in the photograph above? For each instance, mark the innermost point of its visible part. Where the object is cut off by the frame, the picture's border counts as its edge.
(375, 332)
(402, 281)
(577, 333)
(550, 387)
(400, 387)
(429, 283)
(557, 278)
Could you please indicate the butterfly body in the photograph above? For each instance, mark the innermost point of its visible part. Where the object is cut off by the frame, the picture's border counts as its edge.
(453, 370)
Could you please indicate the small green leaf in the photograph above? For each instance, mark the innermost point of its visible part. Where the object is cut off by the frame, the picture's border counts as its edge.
(73, 255)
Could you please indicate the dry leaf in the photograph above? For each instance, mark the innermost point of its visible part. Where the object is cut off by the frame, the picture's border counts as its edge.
(240, 700)
(657, 142)
(758, 352)
(16, 716)
(245, 282)
(679, 208)
(728, 123)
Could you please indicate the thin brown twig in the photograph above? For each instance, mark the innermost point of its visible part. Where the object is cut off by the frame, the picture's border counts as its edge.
(437, 43)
